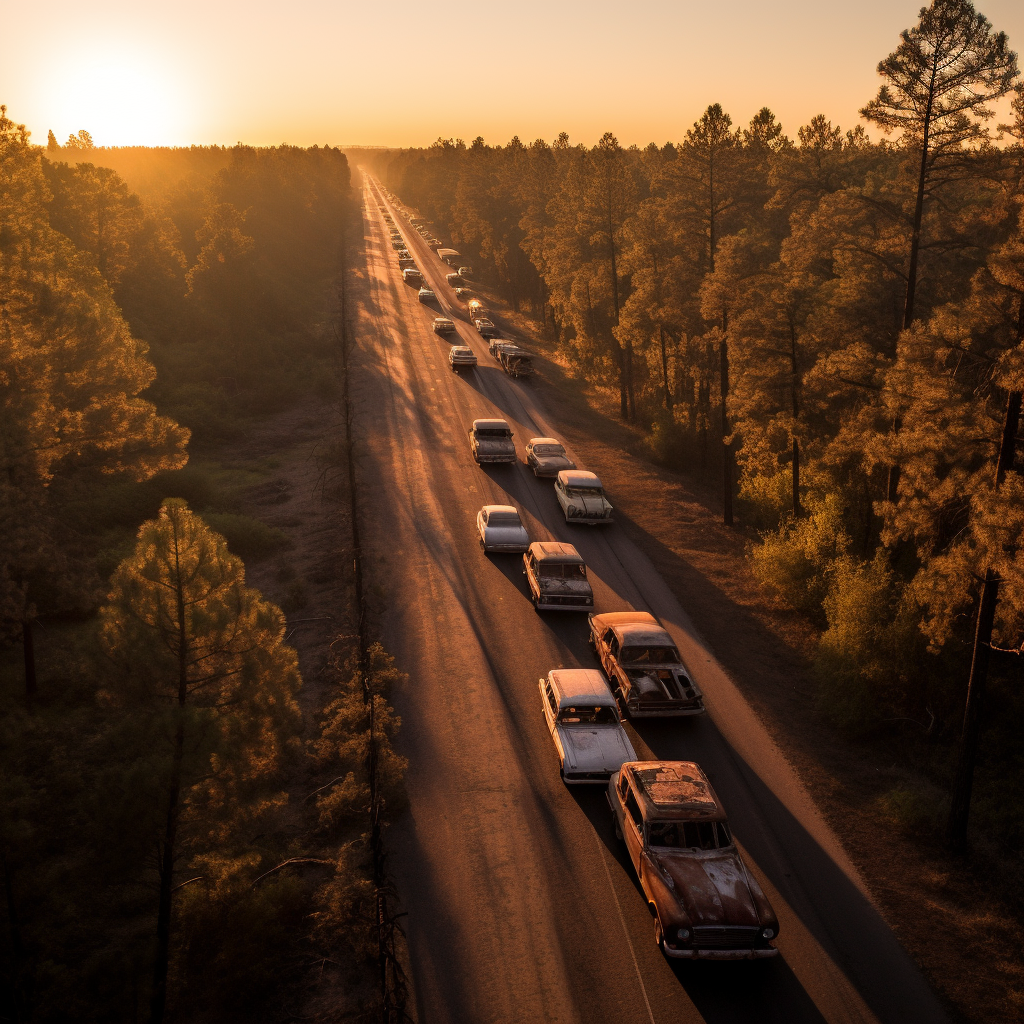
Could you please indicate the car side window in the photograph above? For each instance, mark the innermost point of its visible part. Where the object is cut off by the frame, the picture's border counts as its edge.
(623, 783)
(634, 810)
(613, 646)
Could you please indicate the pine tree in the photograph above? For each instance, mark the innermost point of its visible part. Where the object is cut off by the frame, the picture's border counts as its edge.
(938, 82)
(203, 661)
(52, 145)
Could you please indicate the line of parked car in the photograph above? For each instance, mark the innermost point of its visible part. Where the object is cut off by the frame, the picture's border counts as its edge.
(705, 902)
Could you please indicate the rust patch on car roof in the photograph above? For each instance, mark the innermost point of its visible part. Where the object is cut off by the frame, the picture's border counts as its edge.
(677, 786)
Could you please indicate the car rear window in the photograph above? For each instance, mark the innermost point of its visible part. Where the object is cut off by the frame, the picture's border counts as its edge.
(548, 449)
(493, 432)
(650, 655)
(503, 519)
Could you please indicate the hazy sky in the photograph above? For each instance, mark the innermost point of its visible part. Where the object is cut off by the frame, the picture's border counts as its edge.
(405, 73)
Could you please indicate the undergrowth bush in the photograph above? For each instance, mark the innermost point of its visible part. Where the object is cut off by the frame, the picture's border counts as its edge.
(796, 561)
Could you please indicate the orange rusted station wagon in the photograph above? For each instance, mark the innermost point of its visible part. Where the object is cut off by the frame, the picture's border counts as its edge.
(705, 903)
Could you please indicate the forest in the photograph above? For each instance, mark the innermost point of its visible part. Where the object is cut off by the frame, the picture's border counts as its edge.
(156, 860)
(831, 327)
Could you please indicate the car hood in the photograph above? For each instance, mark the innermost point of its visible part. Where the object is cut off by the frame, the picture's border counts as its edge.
(712, 889)
(590, 748)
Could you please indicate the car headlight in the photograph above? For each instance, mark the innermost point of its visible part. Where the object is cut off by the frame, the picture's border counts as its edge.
(572, 510)
(768, 933)
(683, 934)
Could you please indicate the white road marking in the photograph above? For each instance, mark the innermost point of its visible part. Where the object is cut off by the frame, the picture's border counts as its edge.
(625, 930)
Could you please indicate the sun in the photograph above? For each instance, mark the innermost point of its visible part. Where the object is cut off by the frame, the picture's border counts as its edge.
(121, 98)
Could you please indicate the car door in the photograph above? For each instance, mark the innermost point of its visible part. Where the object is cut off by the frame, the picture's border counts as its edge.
(633, 826)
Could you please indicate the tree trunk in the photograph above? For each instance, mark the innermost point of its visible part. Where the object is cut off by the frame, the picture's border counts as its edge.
(28, 644)
(794, 370)
(664, 369)
(915, 238)
(158, 1005)
(726, 445)
(963, 780)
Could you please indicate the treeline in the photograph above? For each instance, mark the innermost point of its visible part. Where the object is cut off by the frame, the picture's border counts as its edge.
(832, 324)
(175, 839)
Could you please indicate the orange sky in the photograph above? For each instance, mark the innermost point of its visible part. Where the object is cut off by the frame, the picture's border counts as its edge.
(392, 74)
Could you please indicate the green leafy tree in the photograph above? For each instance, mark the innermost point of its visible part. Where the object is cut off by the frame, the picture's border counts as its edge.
(204, 665)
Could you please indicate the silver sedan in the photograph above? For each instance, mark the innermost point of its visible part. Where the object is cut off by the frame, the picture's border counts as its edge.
(547, 457)
(501, 530)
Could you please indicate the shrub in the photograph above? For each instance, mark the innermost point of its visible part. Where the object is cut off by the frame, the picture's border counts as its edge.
(796, 561)
(247, 537)
(764, 500)
(871, 654)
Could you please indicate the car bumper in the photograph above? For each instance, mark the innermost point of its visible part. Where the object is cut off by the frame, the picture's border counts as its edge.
(507, 549)
(587, 778)
(719, 954)
(543, 606)
(588, 521)
(666, 713)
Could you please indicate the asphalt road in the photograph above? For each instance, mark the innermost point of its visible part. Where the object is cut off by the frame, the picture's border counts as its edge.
(522, 906)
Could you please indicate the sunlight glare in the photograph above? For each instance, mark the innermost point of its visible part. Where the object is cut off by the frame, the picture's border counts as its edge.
(121, 99)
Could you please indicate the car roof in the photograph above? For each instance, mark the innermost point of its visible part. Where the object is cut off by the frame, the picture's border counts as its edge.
(490, 424)
(637, 628)
(573, 685)
(499, 508)
(675, 789)
(546, 440)
(578, 478)
(554, 551)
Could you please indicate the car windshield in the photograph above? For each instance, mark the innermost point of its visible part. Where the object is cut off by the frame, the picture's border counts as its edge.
(600, 715)
(694, 835)
(584, 492)
(548, 449)
(563, 571)
(503, 519)
(650, 655)
(493, 432)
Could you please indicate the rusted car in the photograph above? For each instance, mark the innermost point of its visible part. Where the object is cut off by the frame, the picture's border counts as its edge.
(491, 441)
(557, 577)
(583, 719)
(644, 666)
(705, 903)
(442, 325)
(515, 361)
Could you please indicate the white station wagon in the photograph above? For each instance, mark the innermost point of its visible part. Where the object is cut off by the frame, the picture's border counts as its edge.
(501, 529)
(583, 720)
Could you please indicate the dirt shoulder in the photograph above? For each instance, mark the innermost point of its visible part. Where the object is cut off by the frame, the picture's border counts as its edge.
(944, 912)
